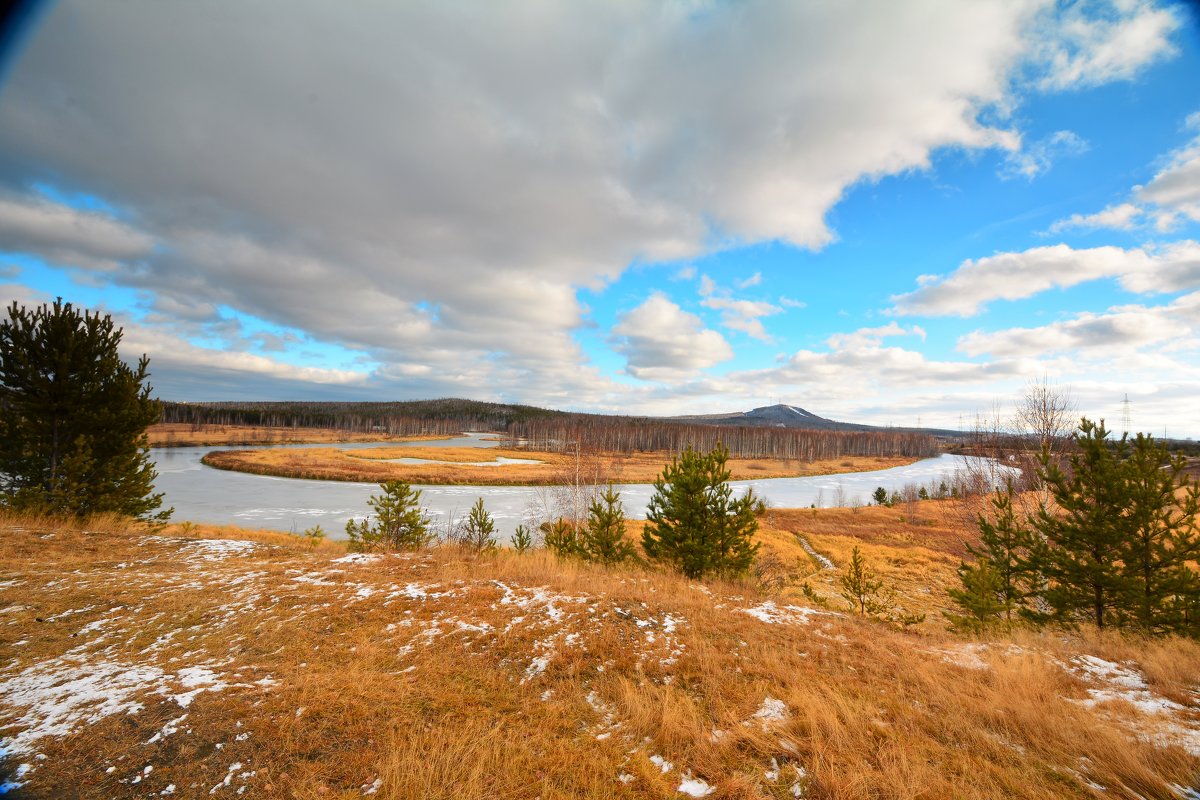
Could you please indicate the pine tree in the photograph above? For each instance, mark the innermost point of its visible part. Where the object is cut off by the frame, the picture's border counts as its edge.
(981, 596)
(479, 531)
(860, 587)
(562, 538)
(1005, 544)
(604, 536)
(694, 524)
(1083, 543)
(521, 540)
(1161, 538)
(401, 523)
(73, 416)
(868, 595)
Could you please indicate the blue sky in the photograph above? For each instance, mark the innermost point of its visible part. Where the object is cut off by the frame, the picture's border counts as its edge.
(881, 212)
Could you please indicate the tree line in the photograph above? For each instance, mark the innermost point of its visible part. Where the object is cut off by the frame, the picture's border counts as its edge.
(558, 431)
(627, 435)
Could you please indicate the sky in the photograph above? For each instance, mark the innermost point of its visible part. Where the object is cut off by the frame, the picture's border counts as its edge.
(890, 213)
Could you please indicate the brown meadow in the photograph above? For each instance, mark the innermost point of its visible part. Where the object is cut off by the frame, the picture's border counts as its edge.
(264, 666)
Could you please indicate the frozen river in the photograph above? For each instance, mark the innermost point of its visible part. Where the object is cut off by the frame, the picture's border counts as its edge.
(203, 494)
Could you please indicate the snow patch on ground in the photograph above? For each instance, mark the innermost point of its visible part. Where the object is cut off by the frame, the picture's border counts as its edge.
(660, 762)
(1164, 722)
(771, 614)
(63, 694)
(216, 549)
(60, 695)
(824, 562)
(358, 558)
(770, 712)
(969, 655)
(694, 787)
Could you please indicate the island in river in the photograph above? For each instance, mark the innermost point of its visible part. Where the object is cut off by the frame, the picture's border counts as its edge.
(451, 466)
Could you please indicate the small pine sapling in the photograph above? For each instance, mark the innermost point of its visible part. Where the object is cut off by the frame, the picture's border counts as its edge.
(869, 596)
(562, 538)
(603, 537)
(313, 536)
(479, 530)
(522, 540)
(981, 597)
(693, 522)
(1006, 543)
(811, 594)
(860, 587)
(401, 523)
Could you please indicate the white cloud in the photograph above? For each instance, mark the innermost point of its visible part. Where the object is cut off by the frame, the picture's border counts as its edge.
(403, 184)
(1173, 192)
(1093, 43)
(1171, 268)
(1037, 158)
(1176, 187)
(868, 338)
(1119, 328)
(684, 273)
(62, 234)
(707, 286)
(429, 184)
(21, 295)
(858, 365)
(1014, 276)
(172, 353)
(743, 315)
(1122, 217)
(662, 342)
(788, 302)
(753, 280)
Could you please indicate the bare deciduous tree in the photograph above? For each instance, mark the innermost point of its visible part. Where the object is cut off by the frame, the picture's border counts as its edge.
(1045, 418)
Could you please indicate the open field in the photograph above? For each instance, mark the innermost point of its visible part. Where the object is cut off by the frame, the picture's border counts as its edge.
(170, 664)
(555, 468)
(182, 434)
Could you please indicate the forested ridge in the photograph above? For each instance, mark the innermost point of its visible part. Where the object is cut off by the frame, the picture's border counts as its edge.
(561, 431)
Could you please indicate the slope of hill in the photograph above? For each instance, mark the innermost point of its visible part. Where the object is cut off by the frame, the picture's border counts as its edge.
(786, 416)
(142, 665)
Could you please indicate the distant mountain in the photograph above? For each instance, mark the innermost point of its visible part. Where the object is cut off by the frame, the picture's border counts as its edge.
(785, 416)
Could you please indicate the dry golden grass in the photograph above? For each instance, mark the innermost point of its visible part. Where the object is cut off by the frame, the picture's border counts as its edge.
(181, 434)
(447, 674)
(918, 559)
(555, 468)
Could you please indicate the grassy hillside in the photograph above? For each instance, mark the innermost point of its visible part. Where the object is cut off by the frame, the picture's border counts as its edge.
(150, 665)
